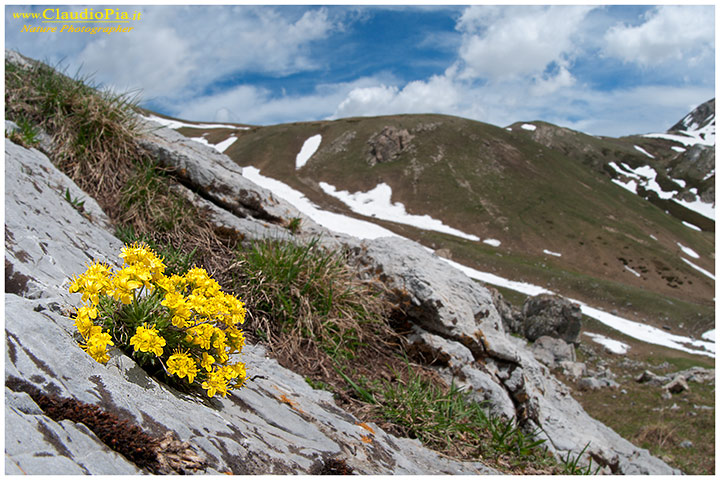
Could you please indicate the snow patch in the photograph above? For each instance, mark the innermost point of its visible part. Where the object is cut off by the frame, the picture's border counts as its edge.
(632, 271)
(679, 149)
(701, 270)
(687, 251)
(709, 335)
(630, 186)
(175, 124)
(704, 136)
(308, 149)
(220, 147)
(528, 126)
(332, 221)
(492, 242)
(225, 144)
(555, 254)
(698, 206)
(613, 346)
(690, 225)
(712, 172)
(643, 151)
(680, 182)
(653, 237)
(377, 203)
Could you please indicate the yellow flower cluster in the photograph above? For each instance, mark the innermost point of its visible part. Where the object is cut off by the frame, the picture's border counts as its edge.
(199, 322)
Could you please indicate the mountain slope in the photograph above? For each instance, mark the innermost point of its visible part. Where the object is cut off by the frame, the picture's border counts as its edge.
(544, 199)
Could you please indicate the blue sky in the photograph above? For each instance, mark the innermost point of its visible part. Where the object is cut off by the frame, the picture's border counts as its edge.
(604, 70)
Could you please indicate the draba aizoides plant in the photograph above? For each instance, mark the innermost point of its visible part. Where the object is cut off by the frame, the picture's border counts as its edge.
(182, 323)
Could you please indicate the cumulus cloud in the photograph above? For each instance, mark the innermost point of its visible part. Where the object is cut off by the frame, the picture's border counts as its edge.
(502, 42)
(438, 94)
(669, 33)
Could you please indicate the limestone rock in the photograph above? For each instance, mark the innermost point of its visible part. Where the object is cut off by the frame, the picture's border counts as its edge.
(552, 351)
(553, 316)
(649, 377)
(388, 144)
(678, 385)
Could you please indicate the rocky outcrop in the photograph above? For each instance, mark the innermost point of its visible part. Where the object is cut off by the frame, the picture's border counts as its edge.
(277, 424)
(451, 306)
(553, 316)
(388, 144)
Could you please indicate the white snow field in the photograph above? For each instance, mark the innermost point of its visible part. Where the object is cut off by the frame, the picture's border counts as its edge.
(220, 147)
(528, 126)
(308, 150)
(554, 254)
(377, 203)
(492, 242)
(611, 345)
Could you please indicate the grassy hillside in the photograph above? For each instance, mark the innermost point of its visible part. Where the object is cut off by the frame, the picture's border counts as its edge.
(533, 190)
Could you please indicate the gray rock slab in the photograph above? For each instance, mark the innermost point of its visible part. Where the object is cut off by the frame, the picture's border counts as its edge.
(42, 255)
(46, 447)
(215, 175)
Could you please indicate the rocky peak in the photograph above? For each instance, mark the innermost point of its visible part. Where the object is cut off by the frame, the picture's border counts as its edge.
(702, 116)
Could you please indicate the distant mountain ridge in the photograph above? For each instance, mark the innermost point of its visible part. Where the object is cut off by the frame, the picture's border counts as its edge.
(532, 201)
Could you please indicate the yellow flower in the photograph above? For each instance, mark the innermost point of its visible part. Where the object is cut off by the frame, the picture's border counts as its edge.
(147, 340)
(124, 283)
(207, 361)
(83, 320)
(235, 339)
(216, 383)
(142, 256)
(235, 309)
(182, 365)
(96, 346)
(93, 283)
(201, 335)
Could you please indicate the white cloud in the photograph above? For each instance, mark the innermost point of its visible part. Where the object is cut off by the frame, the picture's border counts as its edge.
(438, 94)
(254, 105)
(165, 65)
(669, 33)
(181, 51)
(502, 42)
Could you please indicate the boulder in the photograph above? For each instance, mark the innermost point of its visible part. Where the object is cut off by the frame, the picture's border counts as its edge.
(573, 370)
(551, 315)
(649, 377)
(552, 351)
(677, 385)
